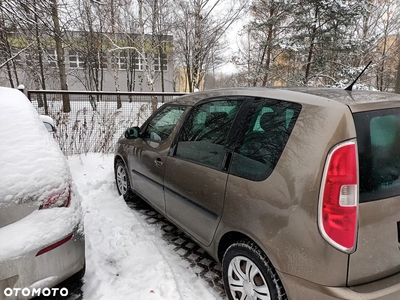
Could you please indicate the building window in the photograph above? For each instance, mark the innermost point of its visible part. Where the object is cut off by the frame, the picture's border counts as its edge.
(102, 59)
(132, 60)
(32, 59)
(49, 58)
(52, 58)
(138, 63)
(96, 60)
(75, 60)
(127, 60)
(160, 62)
(119, 60)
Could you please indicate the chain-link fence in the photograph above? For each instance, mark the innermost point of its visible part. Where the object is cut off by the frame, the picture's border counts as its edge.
(93, 121)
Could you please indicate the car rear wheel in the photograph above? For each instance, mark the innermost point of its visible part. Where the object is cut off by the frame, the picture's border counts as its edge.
(122, 181)
(248, 274)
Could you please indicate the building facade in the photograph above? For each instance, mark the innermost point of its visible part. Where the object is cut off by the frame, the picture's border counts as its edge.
(93, 61)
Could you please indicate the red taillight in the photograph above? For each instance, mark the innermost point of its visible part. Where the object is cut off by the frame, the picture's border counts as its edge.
(59, 199)
(338, 204)
(55, 245)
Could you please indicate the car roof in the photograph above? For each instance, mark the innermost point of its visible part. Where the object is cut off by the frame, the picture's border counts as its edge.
(357, 100)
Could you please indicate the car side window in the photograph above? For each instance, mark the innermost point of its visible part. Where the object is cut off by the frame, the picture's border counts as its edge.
(205, 132)
(161, 125)
(270, 123)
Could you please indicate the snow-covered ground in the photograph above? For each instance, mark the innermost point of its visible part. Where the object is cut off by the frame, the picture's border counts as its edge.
(126, 258)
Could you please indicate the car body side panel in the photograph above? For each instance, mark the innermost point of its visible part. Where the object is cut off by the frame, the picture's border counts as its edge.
(299, 289)
(145, 175)
(280, 213)
(46, 270)
(194, 197)
(378, 242)
(146, 165)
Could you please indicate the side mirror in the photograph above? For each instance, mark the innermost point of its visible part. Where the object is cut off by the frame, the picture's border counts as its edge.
(48, 123)
(49, 127)
(132, 133)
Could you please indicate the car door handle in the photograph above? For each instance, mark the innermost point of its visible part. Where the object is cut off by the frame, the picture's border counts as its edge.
(158, 162)
(226, 161)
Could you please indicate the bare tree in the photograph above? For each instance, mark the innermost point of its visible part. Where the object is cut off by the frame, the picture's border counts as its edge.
(36, 22)
(386, 48)
(260, 48)
(200, 26)
(397, 84)
(6, 51)
(315, 42)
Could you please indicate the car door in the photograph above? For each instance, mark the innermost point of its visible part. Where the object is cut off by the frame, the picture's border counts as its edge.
(148, 152)
(196, 172)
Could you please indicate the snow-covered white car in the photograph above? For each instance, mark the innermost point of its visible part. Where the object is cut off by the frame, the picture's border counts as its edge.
(41, 225)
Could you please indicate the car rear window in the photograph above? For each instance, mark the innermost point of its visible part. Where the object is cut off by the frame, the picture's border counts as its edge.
(378, 138)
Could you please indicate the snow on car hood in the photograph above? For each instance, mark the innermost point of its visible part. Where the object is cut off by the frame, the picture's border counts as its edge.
(31, 163)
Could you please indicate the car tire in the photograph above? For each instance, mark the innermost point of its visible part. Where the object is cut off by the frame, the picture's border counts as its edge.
(122, 181)
(248, 274)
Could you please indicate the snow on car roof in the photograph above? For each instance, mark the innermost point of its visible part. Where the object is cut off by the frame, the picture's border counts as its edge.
(31, 162)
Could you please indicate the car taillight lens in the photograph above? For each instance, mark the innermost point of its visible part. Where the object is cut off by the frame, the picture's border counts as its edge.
(59, 199)
(338, 204)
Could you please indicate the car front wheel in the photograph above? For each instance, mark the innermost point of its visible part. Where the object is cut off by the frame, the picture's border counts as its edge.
(248, 274)
(122, 180)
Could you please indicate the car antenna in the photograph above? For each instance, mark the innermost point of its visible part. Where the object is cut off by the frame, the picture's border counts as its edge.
(350, 87)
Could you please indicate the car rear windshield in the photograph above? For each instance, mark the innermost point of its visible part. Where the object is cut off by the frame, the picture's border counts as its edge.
(378, 138)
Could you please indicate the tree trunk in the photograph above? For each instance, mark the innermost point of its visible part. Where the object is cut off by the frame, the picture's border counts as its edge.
(154, 101)
(196, 68)
(310, 56)
(41, 67)
(162, 70)
(397, 86)
(10, 79)
(60, 55)
(311, 47)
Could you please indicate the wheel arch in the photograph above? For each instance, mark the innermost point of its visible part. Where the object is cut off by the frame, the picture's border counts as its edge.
(117, 158)
(120, 158)
(257, 256)
(228, 239)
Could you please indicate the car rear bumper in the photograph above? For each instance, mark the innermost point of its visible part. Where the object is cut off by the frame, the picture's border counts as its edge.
(45, 270)
(384, 289)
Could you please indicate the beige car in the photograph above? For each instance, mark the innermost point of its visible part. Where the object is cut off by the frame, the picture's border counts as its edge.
(296, 192)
